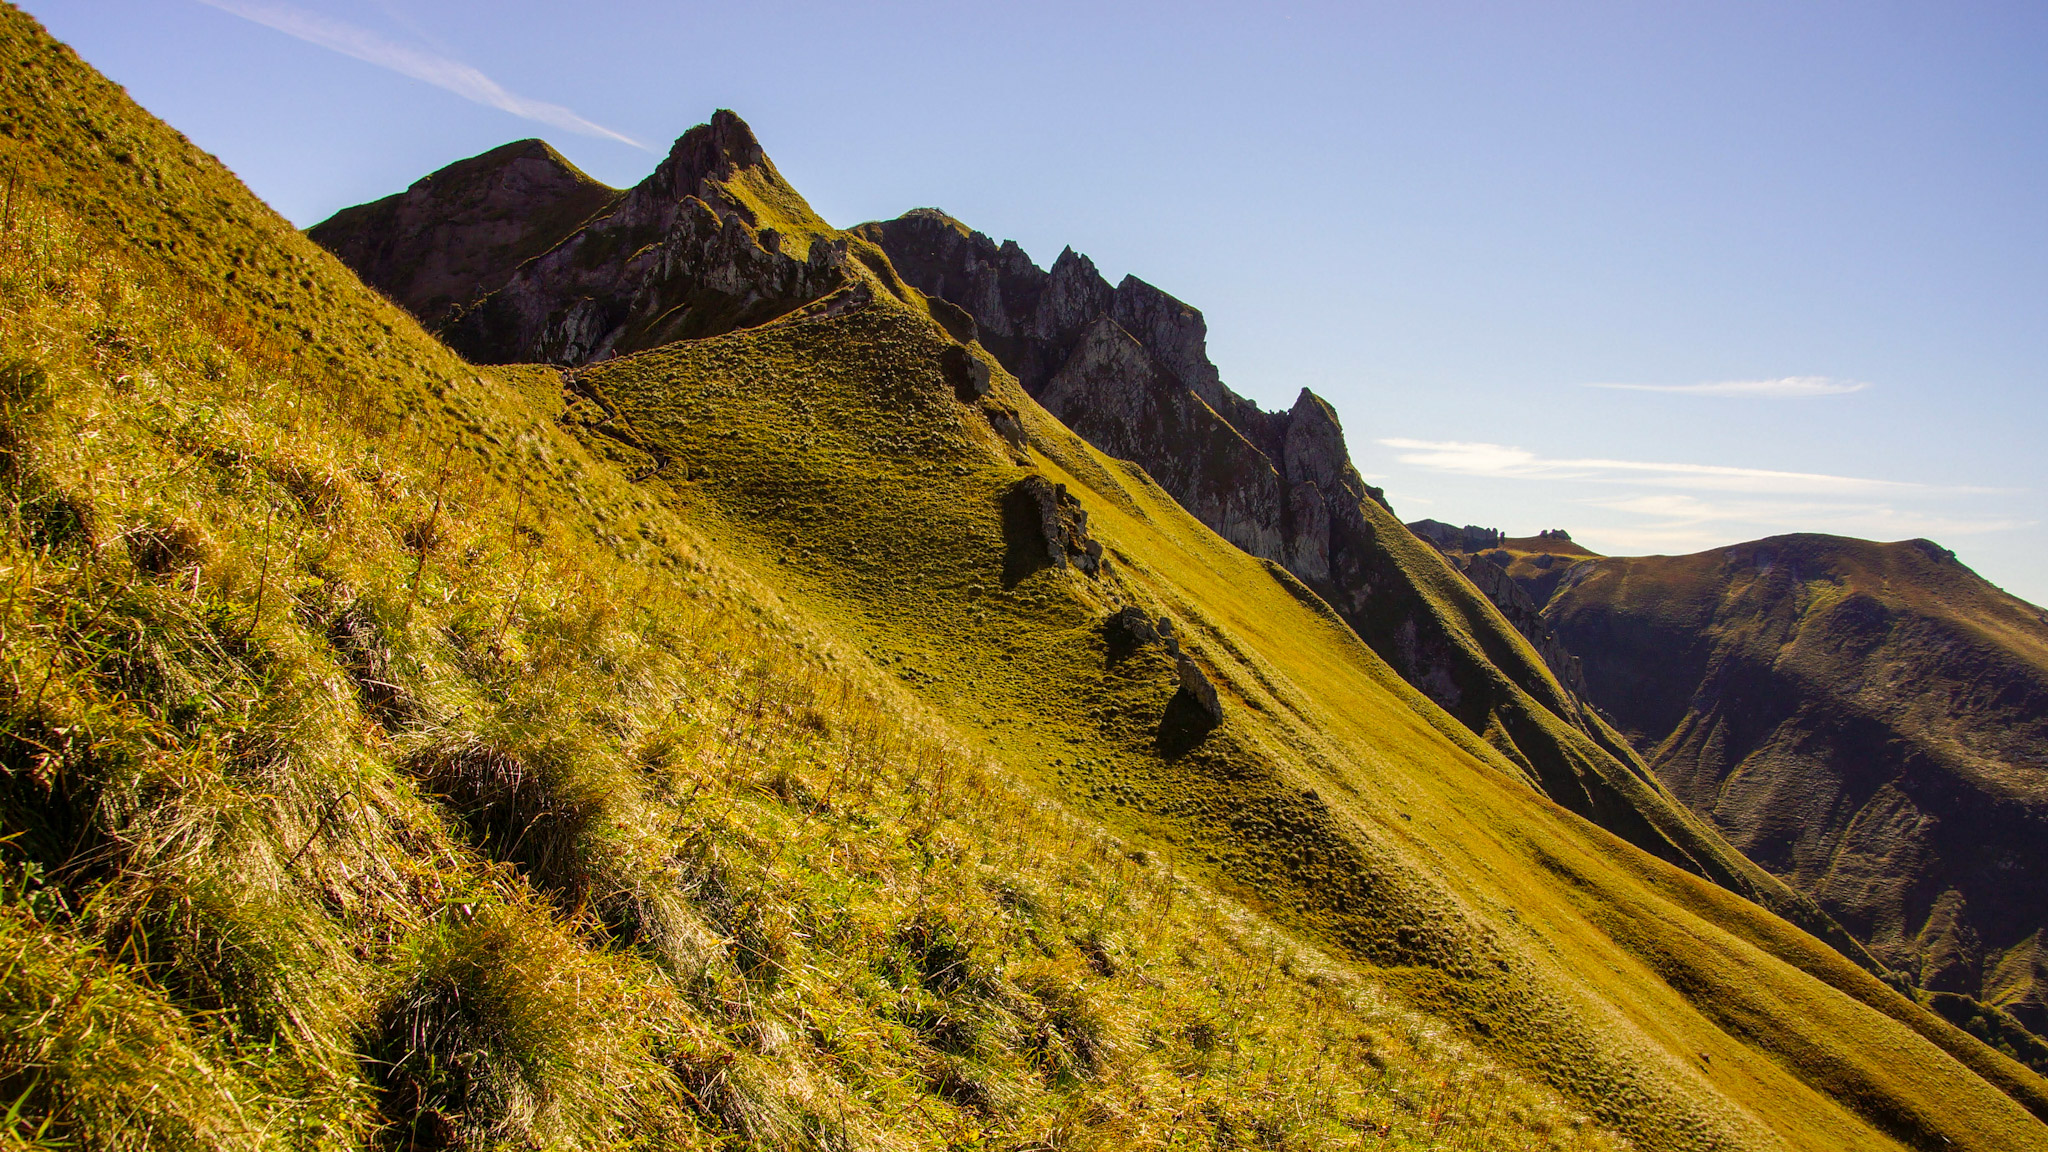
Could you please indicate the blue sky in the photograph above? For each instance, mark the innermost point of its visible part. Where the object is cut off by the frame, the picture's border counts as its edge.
(1666, 275)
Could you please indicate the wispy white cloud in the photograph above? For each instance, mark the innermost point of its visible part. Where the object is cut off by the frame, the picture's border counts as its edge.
(1682, 514)
(419, 63)
(1503, 461)
(1783, 388)
(1639, 506)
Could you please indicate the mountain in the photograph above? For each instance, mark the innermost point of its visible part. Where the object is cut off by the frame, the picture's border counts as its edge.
(1868, 721)
(460, 233)
(792, 736)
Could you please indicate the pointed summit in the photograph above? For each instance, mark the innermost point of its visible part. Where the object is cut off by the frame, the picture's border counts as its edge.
(516, 256)
(711, 154)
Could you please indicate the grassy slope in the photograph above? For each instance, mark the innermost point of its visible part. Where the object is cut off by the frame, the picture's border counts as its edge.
(1335, 798)
(371, 754)
(1416, 611)
(1577, 758)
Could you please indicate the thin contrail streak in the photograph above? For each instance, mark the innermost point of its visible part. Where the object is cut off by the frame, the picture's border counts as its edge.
(420, 64)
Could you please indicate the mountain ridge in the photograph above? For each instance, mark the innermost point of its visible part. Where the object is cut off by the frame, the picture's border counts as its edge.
(759, 457)
(1282, 486)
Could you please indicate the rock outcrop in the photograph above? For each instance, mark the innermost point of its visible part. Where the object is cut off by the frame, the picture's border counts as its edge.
(1868, 721)
(1127, 630)
(1047, 527)
(1193, 712)
(1451, 538)
(1515, 582)
(714, 240)
(967, 373)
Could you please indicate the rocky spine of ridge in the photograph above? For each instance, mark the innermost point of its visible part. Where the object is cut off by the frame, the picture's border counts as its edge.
(1526, 615)
(685, 253)
(1451, 538)
(1867, 721)
(1127, 368)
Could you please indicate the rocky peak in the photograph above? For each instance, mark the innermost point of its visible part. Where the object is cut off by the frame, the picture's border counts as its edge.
(1313, 451)
(1074, 295)
(522, 270)
(705, 158)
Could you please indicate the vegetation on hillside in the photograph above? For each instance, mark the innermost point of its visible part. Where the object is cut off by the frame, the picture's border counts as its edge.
(380, 764)
(1868, 720)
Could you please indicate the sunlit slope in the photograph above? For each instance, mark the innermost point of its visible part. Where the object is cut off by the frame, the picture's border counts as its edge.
(244, 480)
(832, 450)
(1525, 714)
(1127, 369)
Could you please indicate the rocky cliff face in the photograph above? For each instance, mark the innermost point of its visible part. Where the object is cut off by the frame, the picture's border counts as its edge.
(1869, 721)
(1127, 368)
(1507, 594)
(713, 240)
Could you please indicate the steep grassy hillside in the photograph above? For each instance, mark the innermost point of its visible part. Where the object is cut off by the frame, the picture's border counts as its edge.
(382, 764)
(379, 768)
(1869, 721)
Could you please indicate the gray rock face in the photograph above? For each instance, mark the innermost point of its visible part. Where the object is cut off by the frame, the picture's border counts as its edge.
(1452, 538)
(1121, 400)
(1526, 615)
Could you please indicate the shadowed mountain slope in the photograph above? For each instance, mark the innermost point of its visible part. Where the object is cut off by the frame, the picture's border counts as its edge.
(459, 234)
(515, 256)
(1869, 721)
(605, 876)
